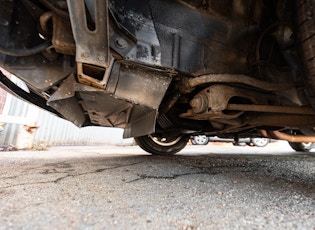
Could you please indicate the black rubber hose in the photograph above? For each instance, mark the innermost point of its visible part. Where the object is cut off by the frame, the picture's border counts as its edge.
(51, 7)
(25, 52)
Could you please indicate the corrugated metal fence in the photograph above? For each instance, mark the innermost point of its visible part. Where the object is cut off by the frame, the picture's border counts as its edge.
(54, 130)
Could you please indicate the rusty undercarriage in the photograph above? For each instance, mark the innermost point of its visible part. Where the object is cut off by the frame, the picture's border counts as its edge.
(166, 69)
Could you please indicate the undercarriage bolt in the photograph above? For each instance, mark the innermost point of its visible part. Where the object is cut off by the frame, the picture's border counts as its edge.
(199, 103)
(121, 43)
(101, 59)
(85, 55)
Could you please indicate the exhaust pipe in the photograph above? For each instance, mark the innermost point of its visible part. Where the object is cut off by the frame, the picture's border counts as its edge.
(287, 137)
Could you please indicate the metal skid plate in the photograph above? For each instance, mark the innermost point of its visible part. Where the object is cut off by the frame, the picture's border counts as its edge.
(65, 102)
(31, 72)
(130, 101)
(85, 105)
(107, 110)
(138, 84)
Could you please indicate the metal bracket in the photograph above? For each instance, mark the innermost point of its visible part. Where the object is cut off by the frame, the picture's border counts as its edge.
(92, 46)
(86, 79)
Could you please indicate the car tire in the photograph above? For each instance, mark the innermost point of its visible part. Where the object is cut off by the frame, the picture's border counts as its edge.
(302, 147)
(260, 142)
(305, 33)
(193, 141)
(162, 144)
(200, 140)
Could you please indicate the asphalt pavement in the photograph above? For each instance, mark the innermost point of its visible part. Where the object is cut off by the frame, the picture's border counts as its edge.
(203, 187)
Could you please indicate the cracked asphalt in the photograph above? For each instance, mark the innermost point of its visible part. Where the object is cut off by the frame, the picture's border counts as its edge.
(203, 187)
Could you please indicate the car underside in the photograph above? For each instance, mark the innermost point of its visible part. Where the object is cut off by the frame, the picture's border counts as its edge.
(164, 70)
